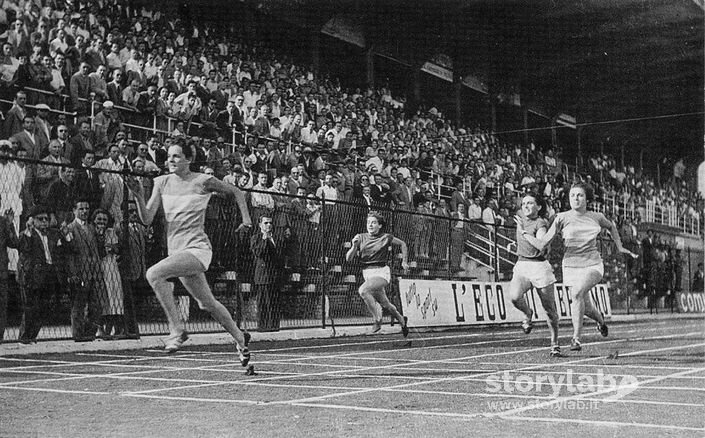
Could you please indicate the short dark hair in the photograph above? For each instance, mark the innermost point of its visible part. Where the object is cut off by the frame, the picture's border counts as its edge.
(539, 201)
(587, 188)
(380, 219)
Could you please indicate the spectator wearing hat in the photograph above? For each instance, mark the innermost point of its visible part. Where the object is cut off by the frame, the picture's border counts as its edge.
(40, 249)
(42, 126)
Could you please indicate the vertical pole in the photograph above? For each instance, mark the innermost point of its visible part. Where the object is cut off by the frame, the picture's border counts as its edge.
(92, 116)
(322, 228)
(496, 254)
(131, 326)
(449, 252)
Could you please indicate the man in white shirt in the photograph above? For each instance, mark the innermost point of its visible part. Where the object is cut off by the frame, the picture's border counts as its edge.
(261, 201)
(328, 191)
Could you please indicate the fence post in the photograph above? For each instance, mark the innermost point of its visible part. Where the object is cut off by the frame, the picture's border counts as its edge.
(324, 263)
(496, 253)
(130, 323)
(92, 115)
(449, 252)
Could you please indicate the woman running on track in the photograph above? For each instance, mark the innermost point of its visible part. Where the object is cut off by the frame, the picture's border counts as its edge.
(532, 268)
(373, 248)
(184, 195)
(582, 264)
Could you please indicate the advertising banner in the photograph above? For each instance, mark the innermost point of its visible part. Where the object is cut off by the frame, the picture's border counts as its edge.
(433, 303)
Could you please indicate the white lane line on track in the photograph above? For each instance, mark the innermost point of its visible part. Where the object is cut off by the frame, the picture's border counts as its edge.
(115, 363)
(378, 410)
(164, 369)
(620, 366)
(513, 412)
(58, 391)
(132, 358)
(476, 415)
(489, 373)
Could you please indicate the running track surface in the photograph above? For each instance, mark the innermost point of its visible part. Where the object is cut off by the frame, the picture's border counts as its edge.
(645, 379)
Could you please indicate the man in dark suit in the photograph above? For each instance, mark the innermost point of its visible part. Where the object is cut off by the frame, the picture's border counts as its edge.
(28, 140)
(269, 264)
(156, 153)
(231, 118)
(40, 250)
(14, 118)
(85, 274)
(208, 116)
(115, 88)
(83, 141)
(86, 181)
(133, 266)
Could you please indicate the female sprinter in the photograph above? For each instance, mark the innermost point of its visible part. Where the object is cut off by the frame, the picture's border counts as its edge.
(184, 195)
(373, 248)
(532, 268)
(582, 264)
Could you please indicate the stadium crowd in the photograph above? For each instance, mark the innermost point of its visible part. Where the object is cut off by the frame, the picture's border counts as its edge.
(139, 81)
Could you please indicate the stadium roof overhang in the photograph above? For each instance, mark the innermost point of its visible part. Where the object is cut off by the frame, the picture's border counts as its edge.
(597, 60)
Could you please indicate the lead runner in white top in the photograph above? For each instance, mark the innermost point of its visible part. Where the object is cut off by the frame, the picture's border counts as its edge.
(184, 195)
